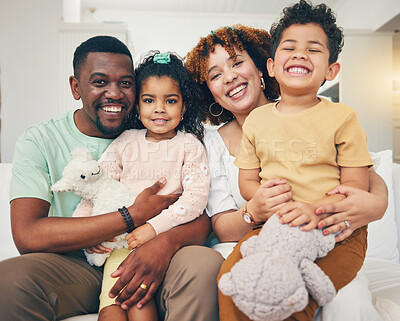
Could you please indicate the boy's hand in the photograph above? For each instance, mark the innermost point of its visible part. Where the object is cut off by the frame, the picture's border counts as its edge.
(299, 213)
(140, 235)
(100, 249)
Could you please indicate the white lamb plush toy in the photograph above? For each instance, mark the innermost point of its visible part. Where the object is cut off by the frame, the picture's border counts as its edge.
(277, 271)
(86, 178)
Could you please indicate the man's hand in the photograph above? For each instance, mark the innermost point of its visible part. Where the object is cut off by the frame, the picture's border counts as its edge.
(148, 204)
(146, 265)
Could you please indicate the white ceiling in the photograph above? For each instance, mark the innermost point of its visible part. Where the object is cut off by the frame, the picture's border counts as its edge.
(272, 7)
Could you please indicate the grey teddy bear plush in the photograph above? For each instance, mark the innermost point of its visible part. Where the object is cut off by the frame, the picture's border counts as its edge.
(277, 272)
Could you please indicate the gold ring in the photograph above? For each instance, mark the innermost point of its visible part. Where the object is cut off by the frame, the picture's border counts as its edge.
(143, 286)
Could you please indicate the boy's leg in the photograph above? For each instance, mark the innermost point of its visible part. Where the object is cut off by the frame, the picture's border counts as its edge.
(47, 286)
(341, 265)
(227, 309)
(189, 289)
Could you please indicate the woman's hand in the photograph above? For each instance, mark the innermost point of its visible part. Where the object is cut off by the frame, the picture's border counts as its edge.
(269, 198)
(358, 208)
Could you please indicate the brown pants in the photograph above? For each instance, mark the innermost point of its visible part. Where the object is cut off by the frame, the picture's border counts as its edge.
(46, 286)
(341, 265)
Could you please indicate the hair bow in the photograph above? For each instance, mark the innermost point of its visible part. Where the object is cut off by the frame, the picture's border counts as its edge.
(162, 58)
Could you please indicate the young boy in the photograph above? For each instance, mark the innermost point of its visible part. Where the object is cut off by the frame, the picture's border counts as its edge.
(313, 143)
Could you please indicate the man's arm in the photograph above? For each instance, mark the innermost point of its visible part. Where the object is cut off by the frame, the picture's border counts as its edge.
(149, 262)
(34, 231)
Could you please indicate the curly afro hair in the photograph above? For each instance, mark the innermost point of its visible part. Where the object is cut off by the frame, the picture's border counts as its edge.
(190, 91)
(304, 13)
(256, 42)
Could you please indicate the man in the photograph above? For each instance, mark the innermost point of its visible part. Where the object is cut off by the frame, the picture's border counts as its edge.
(52, 280)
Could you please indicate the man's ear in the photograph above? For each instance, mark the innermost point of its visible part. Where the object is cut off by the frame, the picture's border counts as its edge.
(74, 84)
(270, 67)
(333, 71)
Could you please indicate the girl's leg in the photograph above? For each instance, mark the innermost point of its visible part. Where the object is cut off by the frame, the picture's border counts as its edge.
(108, 309)
(147, 313)
(112, 313)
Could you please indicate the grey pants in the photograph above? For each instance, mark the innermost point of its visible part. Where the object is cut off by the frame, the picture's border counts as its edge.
(46, 286)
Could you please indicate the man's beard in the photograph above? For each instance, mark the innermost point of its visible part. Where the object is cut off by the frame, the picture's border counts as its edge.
(111, 132)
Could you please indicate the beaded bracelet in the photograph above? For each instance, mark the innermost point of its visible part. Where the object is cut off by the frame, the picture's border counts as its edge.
(130, 226)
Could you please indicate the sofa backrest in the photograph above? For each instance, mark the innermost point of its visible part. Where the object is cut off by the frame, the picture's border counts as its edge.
(7, 248)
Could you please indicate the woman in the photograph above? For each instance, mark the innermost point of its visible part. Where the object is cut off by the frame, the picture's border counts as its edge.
(230, 66)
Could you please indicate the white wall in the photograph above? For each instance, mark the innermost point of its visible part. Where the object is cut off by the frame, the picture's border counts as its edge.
(365, 84)
(29, 58)
(29, 66)
(173, 31)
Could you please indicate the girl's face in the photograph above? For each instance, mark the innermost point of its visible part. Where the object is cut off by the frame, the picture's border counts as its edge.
(235, 85)
(160, 107)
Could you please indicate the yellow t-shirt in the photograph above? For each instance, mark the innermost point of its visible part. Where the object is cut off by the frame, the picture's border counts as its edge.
(307, 148)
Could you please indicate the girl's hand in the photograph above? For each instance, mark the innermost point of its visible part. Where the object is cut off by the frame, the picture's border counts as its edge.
(269, 197)
(298, 213)
(140, 235)
(100, 249)
(358, 208)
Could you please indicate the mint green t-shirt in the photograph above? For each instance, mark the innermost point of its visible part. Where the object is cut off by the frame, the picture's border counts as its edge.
(41, 154)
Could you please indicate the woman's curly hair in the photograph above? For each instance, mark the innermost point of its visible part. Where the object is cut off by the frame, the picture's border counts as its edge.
(190, 91)
(303, 13)
(256, 42)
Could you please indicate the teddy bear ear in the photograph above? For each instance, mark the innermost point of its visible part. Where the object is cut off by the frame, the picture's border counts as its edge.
(226, 285)
(81, 154)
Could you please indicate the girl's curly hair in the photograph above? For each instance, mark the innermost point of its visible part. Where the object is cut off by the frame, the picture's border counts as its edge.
(303, 13)
(256, 42)
(190, 91)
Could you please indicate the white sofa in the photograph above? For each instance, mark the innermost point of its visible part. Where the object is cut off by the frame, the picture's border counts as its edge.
(382, 265)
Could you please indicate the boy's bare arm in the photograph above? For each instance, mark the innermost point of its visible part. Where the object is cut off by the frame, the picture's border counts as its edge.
(355, 177)
(249, 182)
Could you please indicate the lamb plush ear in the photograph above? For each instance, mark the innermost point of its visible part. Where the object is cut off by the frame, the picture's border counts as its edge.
(63, 185)
(81, 154)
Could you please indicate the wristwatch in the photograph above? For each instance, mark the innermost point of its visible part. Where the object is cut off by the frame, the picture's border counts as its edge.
(247, 217)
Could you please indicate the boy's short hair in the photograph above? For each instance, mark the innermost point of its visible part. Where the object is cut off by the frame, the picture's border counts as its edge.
(106, 44)
(303, 13)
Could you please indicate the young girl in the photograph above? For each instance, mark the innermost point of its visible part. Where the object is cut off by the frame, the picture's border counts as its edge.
(164, 144)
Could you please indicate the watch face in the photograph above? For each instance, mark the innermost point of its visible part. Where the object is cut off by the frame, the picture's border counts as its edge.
(247, 218)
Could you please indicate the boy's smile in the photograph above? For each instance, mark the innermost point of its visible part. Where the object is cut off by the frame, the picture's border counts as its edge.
(301, 62)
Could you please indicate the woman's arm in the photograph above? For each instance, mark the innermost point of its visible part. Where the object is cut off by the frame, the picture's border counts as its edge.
(229, 226)
(358, 208)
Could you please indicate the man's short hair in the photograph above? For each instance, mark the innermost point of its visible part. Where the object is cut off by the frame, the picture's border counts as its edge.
(106, 44)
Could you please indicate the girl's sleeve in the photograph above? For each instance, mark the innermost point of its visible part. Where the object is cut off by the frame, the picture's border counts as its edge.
(195, 177)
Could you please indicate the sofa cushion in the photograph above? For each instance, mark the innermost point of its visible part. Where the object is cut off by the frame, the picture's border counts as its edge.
(7, 249)
(383, 234)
